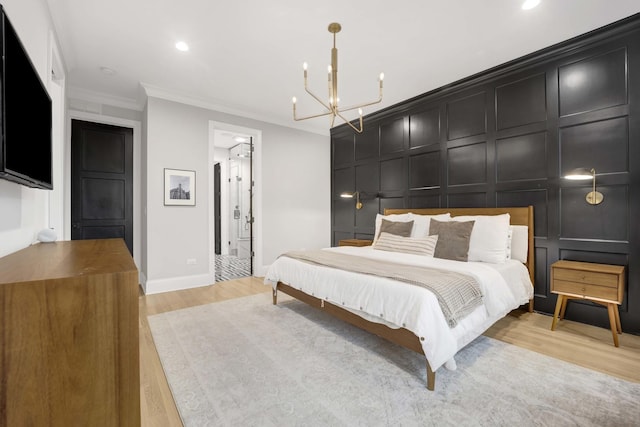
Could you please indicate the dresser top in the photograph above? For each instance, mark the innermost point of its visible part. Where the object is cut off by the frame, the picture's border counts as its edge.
(62, 259)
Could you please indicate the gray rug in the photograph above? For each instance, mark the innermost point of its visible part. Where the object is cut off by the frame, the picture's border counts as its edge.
(245, 362)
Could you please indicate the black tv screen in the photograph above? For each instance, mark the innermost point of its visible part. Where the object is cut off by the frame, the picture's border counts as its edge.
(26, 142)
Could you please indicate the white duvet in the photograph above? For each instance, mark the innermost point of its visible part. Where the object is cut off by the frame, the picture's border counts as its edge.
(504, 288)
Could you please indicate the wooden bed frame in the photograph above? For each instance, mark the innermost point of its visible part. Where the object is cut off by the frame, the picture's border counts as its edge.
(402, 336)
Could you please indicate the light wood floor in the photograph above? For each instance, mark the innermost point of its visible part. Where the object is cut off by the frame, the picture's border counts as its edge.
(585, 345)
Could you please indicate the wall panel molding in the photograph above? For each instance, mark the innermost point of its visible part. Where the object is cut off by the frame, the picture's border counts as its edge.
(505, 137)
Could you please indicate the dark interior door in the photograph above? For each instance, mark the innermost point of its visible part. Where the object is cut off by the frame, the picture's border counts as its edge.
(217, 214)
(101, 182)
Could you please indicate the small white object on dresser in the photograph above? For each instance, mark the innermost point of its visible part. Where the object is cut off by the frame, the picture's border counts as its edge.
(47, 235)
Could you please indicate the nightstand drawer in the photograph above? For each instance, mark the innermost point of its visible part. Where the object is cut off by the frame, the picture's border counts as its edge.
(584, 289)
(355, 242)
(581, 276)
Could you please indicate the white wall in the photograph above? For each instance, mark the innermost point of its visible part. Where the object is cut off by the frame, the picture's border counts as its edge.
(175, 233)
(25, 211)
(295, 175)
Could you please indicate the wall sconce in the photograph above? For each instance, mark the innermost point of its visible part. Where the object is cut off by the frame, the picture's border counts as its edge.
(593, 197)
(348, 195)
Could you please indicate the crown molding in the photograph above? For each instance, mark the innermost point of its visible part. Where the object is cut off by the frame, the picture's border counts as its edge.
(103, 98)
(158, 92)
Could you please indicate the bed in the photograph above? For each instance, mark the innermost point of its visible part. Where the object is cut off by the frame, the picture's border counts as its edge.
(411, 316)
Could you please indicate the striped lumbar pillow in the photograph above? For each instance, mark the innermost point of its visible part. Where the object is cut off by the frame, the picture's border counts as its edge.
(410, 245)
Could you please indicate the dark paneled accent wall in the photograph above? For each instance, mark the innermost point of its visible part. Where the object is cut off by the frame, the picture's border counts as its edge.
(505, 137)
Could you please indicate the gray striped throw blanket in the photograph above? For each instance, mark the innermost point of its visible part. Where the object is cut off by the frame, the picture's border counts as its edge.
(457, 293)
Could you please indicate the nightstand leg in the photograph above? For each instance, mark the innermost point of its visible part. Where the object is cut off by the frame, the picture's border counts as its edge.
(618, 324)
(612, 321)
(564, 307)
(555, 314)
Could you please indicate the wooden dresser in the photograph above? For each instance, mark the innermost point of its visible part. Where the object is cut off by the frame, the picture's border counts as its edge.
(69, 335)
(599, 283)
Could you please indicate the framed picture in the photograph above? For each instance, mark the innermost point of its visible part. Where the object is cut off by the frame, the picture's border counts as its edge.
(179, 187)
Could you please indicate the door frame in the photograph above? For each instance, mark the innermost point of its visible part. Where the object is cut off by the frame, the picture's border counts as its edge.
(256, 134)
(252, 258)
(137, 182)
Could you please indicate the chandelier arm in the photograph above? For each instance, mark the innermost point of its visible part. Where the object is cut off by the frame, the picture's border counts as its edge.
(315, 97)
(354, 107)
(349, 123)
(297, 119)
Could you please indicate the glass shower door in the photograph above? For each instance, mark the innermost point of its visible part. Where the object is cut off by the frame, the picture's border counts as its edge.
(240, 186)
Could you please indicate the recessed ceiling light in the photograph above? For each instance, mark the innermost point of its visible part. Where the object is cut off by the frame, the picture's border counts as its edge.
(182, 46)
(530, 4)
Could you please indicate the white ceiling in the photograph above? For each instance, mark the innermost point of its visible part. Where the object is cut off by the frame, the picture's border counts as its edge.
(246, 55)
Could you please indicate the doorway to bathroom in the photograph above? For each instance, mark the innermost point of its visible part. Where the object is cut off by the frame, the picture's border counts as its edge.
(233, 213)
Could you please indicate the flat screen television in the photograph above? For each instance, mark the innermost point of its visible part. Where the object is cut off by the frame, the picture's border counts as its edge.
(25, 140)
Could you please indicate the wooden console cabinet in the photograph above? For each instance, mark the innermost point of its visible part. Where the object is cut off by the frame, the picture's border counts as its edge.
(69, 335)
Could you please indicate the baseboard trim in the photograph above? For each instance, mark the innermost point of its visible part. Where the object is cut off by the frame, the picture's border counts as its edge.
(176, 283)
(261, 271)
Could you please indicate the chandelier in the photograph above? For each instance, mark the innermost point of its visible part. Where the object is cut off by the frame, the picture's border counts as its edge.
(332, 107)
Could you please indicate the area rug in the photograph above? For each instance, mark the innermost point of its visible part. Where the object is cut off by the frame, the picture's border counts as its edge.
(246, 362)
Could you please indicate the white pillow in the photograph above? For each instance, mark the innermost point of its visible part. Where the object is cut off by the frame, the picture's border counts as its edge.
(395, 218)
(489, 237)
(519, 242)
(409, 245)
(421, 223)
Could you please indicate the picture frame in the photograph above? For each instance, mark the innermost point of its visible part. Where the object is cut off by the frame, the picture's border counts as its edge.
(179, 187)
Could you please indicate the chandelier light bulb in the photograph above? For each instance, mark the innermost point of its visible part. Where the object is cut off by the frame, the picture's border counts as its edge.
(294, 99)
(304, 66)
(381, 76)
(360, 111)
(329, 68)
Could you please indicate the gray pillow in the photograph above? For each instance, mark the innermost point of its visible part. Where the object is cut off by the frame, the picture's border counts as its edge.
(395, 227)
(453, 239)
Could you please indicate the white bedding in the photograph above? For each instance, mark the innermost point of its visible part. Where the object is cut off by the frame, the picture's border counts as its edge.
(504, 287)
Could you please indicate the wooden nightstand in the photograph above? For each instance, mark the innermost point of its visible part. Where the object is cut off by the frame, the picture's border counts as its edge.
(600, 283)
(355, 242)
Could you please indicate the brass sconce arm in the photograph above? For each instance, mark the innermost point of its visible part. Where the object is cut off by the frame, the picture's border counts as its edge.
(593, 197)
(351, 195)
(359, 195)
